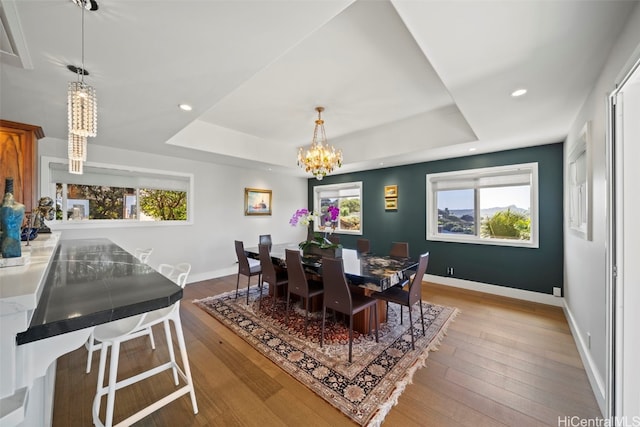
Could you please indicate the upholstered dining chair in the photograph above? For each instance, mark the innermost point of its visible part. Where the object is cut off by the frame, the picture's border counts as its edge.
(299, 284)
(113, 334)
(338, 297)
(265, 239)
(399, 249)
(363, 246)
(247, 267)
(398, 295)
(274, 278)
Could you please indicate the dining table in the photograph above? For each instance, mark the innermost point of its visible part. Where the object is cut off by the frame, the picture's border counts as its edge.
(369, 272)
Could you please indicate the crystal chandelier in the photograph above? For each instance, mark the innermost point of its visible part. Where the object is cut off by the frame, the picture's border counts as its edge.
(82, 107)
(320, 159)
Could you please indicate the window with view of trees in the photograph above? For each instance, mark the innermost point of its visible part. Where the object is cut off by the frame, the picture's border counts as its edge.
(347, 197)
(495, 205)
(102, 193)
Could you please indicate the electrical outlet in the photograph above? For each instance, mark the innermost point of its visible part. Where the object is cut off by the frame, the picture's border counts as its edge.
(449, 271)
(557, 292)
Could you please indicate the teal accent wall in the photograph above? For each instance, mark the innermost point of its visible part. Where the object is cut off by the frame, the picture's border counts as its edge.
(537, 270)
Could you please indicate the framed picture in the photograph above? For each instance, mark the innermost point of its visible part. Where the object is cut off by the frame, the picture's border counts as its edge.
(257, 201)
(580, 175)
(391, 203)
(390, 191)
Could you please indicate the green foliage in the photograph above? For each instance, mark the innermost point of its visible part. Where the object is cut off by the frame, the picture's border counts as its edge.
(507, 225)
(164, 204)
(347, 206)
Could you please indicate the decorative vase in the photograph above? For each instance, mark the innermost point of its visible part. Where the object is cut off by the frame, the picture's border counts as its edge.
(11, 217)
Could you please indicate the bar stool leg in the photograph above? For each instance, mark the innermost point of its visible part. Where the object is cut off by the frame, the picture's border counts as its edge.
(177, 323)
(113, 373)
(172, 356)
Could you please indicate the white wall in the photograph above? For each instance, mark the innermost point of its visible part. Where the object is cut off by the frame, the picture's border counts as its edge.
(219, 212)
(585, 261)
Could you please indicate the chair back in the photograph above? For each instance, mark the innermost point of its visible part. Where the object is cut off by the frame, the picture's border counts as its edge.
(298, 283)
(399, 249)
(265, 239)
(337, 295)
(415, 290)
(177, 273)
(243, 262)
(143, 254)
(266, 264)
(363, 245)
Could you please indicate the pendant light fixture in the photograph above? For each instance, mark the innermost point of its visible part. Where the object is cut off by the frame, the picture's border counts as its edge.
(320, 159)
(82, 105)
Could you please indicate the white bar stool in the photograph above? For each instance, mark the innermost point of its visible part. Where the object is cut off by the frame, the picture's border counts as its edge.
(112, 334)
(92, 345)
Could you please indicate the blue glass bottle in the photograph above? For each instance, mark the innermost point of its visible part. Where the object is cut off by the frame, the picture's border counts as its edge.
(11, 217)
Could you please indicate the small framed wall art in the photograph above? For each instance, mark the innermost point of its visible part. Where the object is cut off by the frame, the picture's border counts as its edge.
(391, 203)
(257, 201)
(390, 191)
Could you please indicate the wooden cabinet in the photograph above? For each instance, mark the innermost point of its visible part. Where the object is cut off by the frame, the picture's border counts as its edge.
(19, 160)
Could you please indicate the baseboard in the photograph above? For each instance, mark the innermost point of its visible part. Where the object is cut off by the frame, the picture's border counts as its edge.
(496, 290)
(193, 278)
(595, 379)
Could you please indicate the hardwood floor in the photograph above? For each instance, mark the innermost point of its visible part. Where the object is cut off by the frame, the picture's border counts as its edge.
(503, 362)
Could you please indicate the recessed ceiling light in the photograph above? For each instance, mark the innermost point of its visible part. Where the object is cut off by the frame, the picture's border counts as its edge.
(472, 149)
(518, 92)
(185, 107)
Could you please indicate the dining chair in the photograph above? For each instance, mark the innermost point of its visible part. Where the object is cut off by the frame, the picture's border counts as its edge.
(92, 345)
(247, 267)
(338, 297)
(399, 249)
(398, 295)
(363, 246)
(299, 284)
(265, 239)
(113, 334)
(274, 278)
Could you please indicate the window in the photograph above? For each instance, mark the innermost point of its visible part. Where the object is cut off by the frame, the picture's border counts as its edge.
(496, 206)
(116, 195)
(348, 198)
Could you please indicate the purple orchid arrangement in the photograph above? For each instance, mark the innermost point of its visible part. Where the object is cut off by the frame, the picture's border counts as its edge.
(302, 216)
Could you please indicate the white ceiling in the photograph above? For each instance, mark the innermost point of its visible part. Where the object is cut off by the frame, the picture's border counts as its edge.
(401, 81)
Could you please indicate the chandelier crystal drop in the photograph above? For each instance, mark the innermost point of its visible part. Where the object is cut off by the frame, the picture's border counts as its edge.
(320, 159)
(77, 147)
(83, 109)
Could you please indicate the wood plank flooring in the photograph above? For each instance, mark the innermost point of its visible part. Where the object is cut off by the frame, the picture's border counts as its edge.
(504, 362)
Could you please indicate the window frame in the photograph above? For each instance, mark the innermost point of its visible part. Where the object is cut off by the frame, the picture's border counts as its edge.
(336, 187)
(474, 175)
(48, 188)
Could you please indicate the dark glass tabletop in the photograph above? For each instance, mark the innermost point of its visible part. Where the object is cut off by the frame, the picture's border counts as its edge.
(372, 271)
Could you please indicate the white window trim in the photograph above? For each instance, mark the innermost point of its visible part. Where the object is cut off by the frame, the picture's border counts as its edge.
(48, 188)
(432, 208)
(316, 203)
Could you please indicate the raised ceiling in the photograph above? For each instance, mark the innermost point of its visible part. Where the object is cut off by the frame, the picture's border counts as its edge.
(401, 81)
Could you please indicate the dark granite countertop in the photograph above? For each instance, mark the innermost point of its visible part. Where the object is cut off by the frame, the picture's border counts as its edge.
(94, 281)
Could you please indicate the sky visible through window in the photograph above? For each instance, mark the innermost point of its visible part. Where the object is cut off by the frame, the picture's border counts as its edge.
(519, 196)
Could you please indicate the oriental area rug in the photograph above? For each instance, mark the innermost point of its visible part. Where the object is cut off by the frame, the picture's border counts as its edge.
(364, 390)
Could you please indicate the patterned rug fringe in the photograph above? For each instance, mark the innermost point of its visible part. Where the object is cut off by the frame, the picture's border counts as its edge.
(362, 414)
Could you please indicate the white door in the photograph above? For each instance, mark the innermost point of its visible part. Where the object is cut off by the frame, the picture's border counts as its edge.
(625, 245)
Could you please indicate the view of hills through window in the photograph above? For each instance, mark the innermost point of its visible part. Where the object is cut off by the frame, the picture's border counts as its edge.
(492, 212)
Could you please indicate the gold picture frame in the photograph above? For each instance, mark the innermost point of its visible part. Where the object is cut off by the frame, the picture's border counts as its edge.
(391, 203)
(257, 201)
(390, 191)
